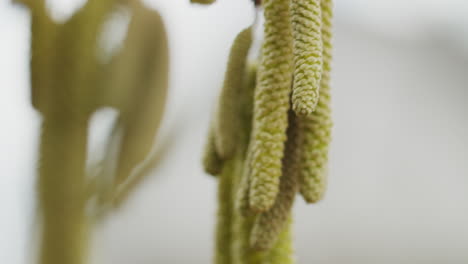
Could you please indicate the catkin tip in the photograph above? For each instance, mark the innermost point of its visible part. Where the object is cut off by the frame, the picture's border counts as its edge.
(304, 109)
(212, 162)
(313, 192)
(307, 47)
(262, 198)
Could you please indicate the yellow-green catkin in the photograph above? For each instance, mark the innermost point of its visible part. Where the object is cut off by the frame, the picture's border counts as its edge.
(234, 229)
(271, 223)
(306, 29)
(241, 252)
(280, 253)
(228, 120)
(242, 199)
(226, 189)
(225, 129)
(271, 105)
(317, 127)
(231, 225)
(241, 226)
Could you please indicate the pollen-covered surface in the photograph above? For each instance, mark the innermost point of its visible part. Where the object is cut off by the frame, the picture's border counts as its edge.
(317, 127)
(307, 48)
(271, 104)
(228, 120)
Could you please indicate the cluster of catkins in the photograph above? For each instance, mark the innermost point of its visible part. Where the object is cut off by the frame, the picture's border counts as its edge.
(271, 133)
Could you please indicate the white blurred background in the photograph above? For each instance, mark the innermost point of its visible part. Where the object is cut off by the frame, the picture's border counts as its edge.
(399, 173)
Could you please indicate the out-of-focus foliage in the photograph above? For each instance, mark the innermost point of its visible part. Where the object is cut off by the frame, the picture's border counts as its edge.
(203, 2)
(69, 82)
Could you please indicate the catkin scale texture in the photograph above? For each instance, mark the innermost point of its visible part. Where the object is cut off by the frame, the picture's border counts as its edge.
(271, 105)
(271, 223)
(307, 48)
(317, 127)
(242, 199)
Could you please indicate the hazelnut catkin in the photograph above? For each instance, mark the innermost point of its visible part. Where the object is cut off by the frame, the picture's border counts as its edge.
(228, 120)
(271, 105)
(317, 127)
(307, 49)
(271, 223)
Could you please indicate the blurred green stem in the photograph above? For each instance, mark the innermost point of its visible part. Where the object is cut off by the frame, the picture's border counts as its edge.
(61, 188)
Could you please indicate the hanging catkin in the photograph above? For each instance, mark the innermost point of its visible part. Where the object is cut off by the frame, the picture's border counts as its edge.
(227, 122)
(317, 126)
(269, 224)
(224, 236)
(241, 252)
(306, 26)
(242, 198)
(271, 105)
(233, 121)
